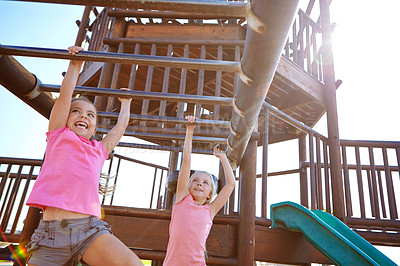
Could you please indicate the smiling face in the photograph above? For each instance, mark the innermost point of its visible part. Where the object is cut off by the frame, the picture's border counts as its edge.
(82, 118)
(201, 188)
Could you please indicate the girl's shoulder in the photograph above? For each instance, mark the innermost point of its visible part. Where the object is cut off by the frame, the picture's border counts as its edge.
(56, 131)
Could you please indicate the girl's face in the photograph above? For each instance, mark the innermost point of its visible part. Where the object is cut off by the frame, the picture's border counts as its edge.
(200, 187)
(82, 119)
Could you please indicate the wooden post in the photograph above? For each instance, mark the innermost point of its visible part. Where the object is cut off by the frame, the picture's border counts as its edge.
(246, 230)
(173, 164)
(331, 110)
(108, 68)
(265, 140)
(303, 172)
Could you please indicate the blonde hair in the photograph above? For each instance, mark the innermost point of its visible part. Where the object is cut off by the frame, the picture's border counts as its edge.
(212, 184)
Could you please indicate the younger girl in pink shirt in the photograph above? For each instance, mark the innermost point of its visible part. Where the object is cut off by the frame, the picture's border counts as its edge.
(193, 211)
(66, 189)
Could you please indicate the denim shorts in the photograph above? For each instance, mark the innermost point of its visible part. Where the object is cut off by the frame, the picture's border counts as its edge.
(64, 242)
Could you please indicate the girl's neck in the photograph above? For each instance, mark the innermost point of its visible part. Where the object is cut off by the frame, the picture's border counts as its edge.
(200, 202)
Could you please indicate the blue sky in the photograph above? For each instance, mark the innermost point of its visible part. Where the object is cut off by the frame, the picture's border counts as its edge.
(365, 44)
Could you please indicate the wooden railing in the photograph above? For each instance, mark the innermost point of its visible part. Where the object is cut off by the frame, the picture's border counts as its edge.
(304, 43)
(18, 176)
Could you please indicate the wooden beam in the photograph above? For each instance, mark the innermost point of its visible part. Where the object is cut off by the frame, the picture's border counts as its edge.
(281, 246)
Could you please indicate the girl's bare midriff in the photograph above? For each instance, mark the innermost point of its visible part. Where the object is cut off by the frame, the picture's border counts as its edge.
(52, 213)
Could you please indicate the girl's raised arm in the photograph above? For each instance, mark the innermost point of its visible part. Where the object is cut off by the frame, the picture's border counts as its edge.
(226, 191)
(115, 134)
(182, 188)
(60, 111)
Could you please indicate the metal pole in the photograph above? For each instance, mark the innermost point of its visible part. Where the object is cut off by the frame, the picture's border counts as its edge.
(268, 27)
(123, 58)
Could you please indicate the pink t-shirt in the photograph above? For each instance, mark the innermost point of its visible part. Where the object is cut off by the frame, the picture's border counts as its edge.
(69, 178)
(188, 231)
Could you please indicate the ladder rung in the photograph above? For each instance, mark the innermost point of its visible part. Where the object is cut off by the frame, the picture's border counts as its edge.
(172, 97)
(160, 148)
(164, 119)
(166, 136)
(122, 58)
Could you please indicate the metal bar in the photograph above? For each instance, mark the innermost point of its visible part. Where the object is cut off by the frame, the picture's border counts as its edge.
(217, 8)
(389, 186)
(115, 181)
(167, 119)
(141, 162)
(291, 121)
(360, 182)
(160, 148)
(107, 180)
(269, 26)
(146, 60)
(143, 95)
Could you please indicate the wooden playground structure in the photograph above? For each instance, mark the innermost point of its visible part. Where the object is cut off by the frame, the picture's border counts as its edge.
(255, 74)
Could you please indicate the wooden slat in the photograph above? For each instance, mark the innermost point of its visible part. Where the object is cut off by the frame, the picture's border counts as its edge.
(312, 171)
(360, 182)
(389, 186)
(149, 79)
(132, 76)
(346, 183)
(218, 84)
(327, 178)
(318, 175)
(382, 197)
(285, 247)
(182, 86)
(373, 192)
(165, 85)
(200, 82)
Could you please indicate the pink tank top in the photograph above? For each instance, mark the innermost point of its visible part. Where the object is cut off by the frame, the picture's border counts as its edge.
(69, 178)
(188, 231)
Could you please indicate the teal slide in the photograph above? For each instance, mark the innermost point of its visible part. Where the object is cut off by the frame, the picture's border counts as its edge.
(340, 244)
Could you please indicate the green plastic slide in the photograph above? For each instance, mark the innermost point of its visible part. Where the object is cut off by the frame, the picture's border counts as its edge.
(328, 234)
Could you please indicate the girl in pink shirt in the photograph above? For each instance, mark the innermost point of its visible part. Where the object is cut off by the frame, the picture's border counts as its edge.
(193, 211)
(71, 230)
